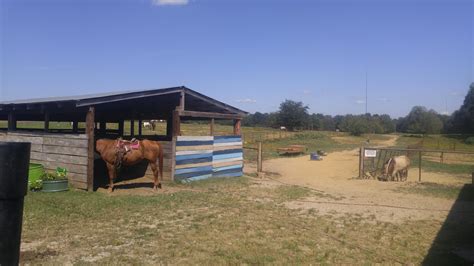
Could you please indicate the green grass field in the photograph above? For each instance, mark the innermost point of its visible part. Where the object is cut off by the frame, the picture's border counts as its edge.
(226, 221)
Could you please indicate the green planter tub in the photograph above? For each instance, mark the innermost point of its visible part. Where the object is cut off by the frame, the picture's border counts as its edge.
(55, 185)
(35, 172)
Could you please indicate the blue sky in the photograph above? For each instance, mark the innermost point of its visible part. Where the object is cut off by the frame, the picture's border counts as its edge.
(251, 54)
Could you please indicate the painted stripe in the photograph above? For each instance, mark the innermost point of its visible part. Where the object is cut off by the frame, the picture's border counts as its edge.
(223, 148)
(194, 143)
(193, 169)
(219, 169)
(193, 161)
(193, 156)
(229, 160)
(227, 140)
(222, 164)
(187, 175)
(193, 152)
(193, 165)
(233, 170)
(227, 156)
(228, 144)
(227, 151)
(236, 174)
(226, 137)
(188, 138)
(194, 148)
(201, 177)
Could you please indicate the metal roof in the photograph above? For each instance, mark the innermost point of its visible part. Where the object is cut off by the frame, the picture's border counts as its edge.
(102, 98)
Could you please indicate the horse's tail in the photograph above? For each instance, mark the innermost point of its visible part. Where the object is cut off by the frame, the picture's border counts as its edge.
(160, 160)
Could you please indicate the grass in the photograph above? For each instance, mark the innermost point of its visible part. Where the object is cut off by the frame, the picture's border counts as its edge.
(436, 142)
(437, 190)
(224, 221)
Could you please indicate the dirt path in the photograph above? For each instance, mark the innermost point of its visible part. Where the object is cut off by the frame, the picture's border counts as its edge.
(335, 174)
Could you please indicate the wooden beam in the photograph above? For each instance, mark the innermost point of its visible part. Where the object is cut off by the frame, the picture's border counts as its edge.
(181, 101)
(90, 147)
(46, 121)
(209, 115)
(169, 127)
(212, 127)
(140, 122)
(75, 126)
(237, 124)
(11, 121)
(120, 127)
(176, 124)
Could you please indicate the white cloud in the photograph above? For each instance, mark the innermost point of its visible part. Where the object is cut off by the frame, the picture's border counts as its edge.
(169, 2)
(248, 100)
(445, 113)
(383, 99)
(306, 92)
(359, 101)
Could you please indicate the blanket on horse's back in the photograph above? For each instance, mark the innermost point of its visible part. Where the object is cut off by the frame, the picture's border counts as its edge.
(122, 147)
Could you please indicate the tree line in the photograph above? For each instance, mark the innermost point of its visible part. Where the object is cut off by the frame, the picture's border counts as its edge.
(294, 115)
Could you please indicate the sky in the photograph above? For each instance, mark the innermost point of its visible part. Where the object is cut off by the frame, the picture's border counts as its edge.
(252, 54)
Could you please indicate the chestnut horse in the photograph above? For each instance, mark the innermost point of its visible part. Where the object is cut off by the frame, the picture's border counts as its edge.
(146, 150)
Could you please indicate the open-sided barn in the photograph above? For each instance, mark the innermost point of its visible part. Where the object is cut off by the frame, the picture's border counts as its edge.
(186, 157)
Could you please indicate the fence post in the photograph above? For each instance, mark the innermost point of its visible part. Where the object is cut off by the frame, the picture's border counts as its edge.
(419, 166)
(259, 160)
(442, 157)
(361, 162)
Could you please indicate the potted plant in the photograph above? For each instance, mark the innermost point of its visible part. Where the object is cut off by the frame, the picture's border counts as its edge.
(55, 182)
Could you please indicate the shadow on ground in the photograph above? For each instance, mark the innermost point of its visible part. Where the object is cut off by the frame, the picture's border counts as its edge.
(454, 244)
(101, 177)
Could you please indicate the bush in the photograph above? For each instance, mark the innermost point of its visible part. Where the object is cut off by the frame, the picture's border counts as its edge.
(469, 141)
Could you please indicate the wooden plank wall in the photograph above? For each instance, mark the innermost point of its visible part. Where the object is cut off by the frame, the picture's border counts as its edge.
(201, 157)
(56, 150)
(227, 158)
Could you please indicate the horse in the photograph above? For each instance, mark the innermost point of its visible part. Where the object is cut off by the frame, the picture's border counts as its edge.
(397, 167)
(121, 152)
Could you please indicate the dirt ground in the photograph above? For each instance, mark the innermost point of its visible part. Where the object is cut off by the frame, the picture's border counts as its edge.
(336, 176)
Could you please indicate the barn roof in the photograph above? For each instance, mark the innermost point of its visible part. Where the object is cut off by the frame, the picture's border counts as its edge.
(147, 104)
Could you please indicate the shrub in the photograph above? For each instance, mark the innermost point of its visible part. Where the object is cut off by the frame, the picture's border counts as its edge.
(469, 141)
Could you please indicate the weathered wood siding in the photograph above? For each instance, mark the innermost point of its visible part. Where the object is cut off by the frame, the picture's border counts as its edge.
(206, 156)
(56, 150)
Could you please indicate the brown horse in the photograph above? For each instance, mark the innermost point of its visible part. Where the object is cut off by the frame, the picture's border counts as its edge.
(152, 151)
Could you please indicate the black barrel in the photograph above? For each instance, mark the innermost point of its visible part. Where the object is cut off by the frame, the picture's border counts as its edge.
(14, 163)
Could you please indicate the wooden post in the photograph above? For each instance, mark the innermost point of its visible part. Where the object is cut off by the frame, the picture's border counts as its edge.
(11, 121)
(211, 129)
(259, 160)
(176, 123)
(140, 122)
(237, 123)
(169, 127)
(442, 157)
(75, 126)
(361, 162)
(419, 166)
(181, 101)
(46, 121)
(90, 147)
(132, 128)
(102, 127)
(120, 127)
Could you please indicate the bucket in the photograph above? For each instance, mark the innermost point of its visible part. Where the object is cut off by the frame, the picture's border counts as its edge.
(314, 156)
(36, 170)
(14, 164)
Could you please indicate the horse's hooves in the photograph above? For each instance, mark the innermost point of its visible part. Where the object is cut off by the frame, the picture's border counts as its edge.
(159, 185)
(110, 190)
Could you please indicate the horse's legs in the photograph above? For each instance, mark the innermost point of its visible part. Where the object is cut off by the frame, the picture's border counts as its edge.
(112, 173)
(156, 180)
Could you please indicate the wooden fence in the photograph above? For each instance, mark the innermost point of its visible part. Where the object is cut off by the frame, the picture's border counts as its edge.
(56, 150)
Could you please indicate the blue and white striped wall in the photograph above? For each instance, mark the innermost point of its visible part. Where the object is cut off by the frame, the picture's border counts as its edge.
(201, 157)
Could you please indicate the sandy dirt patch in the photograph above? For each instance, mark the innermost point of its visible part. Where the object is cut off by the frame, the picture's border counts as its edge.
(336, 174)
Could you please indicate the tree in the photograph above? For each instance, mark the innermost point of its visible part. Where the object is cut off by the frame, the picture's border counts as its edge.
(292, 115)
(421, 121)
(462, 121)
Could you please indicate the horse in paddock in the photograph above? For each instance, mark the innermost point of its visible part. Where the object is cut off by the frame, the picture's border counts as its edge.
(120, 152)
(396, 167)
